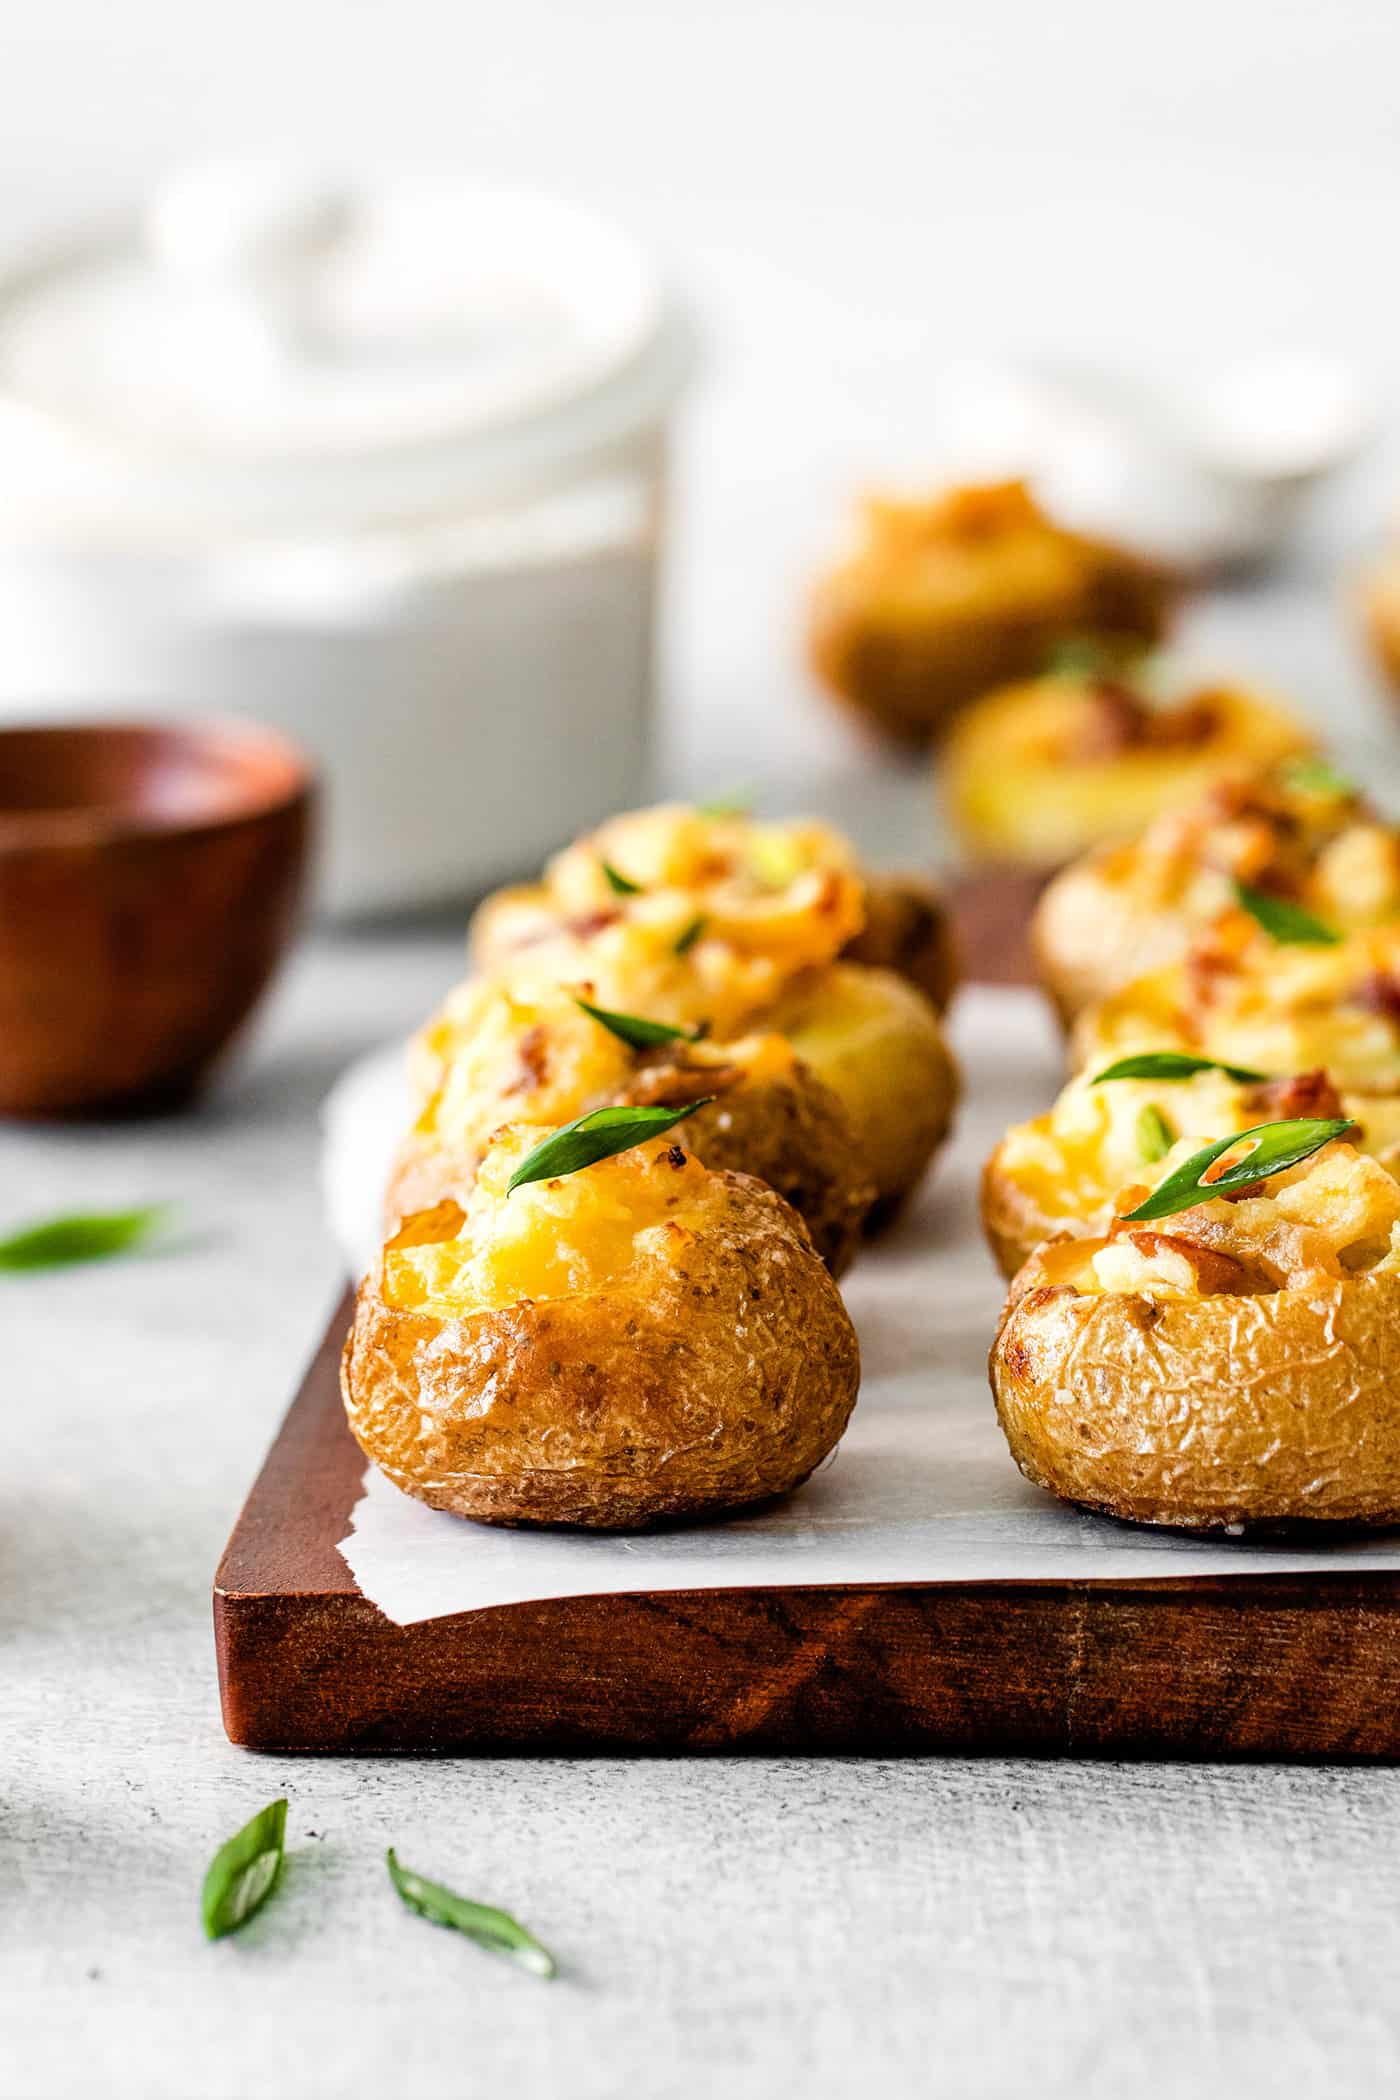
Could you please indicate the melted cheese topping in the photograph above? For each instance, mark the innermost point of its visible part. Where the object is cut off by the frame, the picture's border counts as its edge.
(1315, 845)
(1275, 1008)
(498, 1052)
(1057, 764)
(725, 915)
(1336, 1215)
(580, 1233)
(1071, 1162)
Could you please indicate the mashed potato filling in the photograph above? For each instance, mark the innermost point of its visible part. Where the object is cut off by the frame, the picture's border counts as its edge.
(784, 890)
(1314, 843)
(495, 1053)
(1071, 1162)
(550, 1239)
(685, 916)
(1335, 1215)
(1268, 1005)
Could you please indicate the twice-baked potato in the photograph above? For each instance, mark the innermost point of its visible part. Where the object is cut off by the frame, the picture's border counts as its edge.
(1126, 910)
(1245, 998)
(691, 906)
(499, 1053)
(641, 1340)
(1040, 772)
(1058, 1174)
(877, 1044)
(943, 600)
(1229, 1366)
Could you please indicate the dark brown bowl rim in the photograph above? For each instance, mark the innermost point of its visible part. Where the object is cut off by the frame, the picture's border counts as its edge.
(87, 824)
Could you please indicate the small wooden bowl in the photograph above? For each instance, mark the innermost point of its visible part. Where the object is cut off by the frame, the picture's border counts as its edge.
(150, 876)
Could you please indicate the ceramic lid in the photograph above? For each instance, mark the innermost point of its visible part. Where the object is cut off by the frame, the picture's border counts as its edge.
(261, 349)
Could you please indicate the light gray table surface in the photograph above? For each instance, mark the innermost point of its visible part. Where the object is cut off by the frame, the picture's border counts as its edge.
(754, 1928)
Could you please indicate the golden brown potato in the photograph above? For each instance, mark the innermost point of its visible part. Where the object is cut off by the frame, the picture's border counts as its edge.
(754, 905)
(946, 599)
(877, 1044)
(1040, 772)
(1125, 911)
(1058, 1174)
(639, 1341)
(907, 930)
(498, 1053)
(1227, 1367)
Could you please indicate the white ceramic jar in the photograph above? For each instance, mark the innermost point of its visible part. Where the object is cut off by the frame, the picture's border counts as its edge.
(381, 467)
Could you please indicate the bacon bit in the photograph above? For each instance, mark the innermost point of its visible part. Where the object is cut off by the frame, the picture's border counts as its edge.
(1216, 956)
(1116, 720)
(1305, 1094)
(1194, 721)
(672, 1085)
(533, 1053)
(590, 922)
(1380, 994)
(1120, 719)
(1217, 1275)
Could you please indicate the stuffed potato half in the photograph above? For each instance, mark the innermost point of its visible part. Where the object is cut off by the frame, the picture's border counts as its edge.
(536, 1054)
(749, 906)
(1125, 910)
(1040, 772)
(1231, 1366)
(1059, 1173)
(939, 601)
(640, 1341)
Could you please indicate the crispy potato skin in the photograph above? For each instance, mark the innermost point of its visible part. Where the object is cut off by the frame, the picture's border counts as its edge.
(785, 1127)
(877, 1044)
(1206, 1412)
(697, 1385)
(907, 931)
(1012, 1221)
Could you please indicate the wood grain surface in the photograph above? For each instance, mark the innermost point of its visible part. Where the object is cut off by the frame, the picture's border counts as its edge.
(1245, 1666)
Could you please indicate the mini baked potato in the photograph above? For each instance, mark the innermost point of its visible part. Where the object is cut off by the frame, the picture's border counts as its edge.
(1300, 833)
(945, 599)
(1058, 1174)
(499, 1053)
(749, 906)
(1230, 1366)
(1244, 998)
(1040, 772)
(877, 1044)
(642, 1340)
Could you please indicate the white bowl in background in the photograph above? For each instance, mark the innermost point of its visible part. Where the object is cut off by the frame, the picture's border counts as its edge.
(380, 464)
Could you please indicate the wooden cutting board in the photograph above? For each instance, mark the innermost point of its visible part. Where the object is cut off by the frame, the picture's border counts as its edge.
(1242, 1666)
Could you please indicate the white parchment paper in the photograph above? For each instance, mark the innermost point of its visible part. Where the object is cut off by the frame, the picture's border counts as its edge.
(921, 1488)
